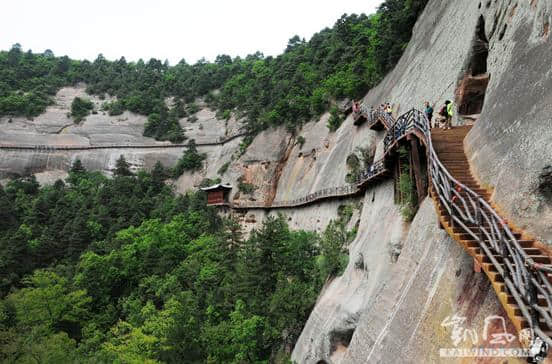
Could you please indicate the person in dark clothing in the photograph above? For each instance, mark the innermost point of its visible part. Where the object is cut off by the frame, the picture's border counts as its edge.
(428, 112)
(442, 117)
(356, 107)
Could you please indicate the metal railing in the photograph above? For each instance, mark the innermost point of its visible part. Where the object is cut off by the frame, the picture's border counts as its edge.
(383, 116)
(376, 169)
(341, 191)
(406, 123)
(42, 148)
(525, 279)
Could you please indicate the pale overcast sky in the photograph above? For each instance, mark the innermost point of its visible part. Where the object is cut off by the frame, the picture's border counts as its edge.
(166, 29)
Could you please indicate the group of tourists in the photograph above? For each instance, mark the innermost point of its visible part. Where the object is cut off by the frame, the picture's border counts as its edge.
(444, 116)
(442, 120)
(355, 106)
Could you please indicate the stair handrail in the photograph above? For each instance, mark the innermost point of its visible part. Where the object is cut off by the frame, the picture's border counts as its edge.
(523, 277)
(377, 167)
(379, 114)
(386, 118)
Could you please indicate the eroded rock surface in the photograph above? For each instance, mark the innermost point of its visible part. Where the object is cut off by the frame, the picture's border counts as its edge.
(511, 144)
(401, 312)
(56, 128)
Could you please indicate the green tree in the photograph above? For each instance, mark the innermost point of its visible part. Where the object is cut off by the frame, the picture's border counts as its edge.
(122, 168)
(130, 345)
(334, 257)
(77, 167)
(191, 160)
(80, 108)
(335, 120)
(49, 303)
(158, 176)
(51, 349)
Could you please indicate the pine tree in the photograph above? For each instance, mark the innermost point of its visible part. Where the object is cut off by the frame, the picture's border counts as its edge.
(158, 175)
(122, 168)
(77, 167)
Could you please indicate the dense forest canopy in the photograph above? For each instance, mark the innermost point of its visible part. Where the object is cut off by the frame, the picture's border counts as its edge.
(339, 62)
(98, 270)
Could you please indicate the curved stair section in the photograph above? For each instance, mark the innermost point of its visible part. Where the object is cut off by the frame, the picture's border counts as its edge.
(377, 119)
(519, 270)
(516, 267)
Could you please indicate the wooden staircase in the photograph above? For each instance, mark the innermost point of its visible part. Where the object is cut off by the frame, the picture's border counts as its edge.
(448, 144)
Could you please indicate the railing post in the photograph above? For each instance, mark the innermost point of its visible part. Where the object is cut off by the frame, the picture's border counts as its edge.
(452, 212)
(532, 298)
(478, 213)
(415, 157)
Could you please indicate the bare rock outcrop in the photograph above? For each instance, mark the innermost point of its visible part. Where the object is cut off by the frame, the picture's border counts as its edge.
(55, 128)
(511, 145)
(401, 312)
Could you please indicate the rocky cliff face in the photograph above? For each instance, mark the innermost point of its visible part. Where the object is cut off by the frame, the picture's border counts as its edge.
(56, 128)
(509, 146)
(404, 282)
(276, 164)
(401, 312)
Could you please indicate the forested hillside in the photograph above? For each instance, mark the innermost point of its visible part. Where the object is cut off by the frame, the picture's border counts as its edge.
(339, 62)
(121, 270)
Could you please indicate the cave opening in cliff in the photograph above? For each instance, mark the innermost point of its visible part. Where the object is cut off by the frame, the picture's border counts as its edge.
(340, 340)
(545, 184)
(471, 92)
(480, 49)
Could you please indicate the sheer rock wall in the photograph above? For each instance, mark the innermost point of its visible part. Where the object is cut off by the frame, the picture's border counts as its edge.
(399, 312)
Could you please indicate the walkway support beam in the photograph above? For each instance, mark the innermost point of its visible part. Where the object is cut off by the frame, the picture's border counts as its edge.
(415, 154)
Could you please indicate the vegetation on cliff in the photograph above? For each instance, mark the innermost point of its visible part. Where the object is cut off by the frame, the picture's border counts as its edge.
(339, 62)
(191, 160)
(80, 108)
